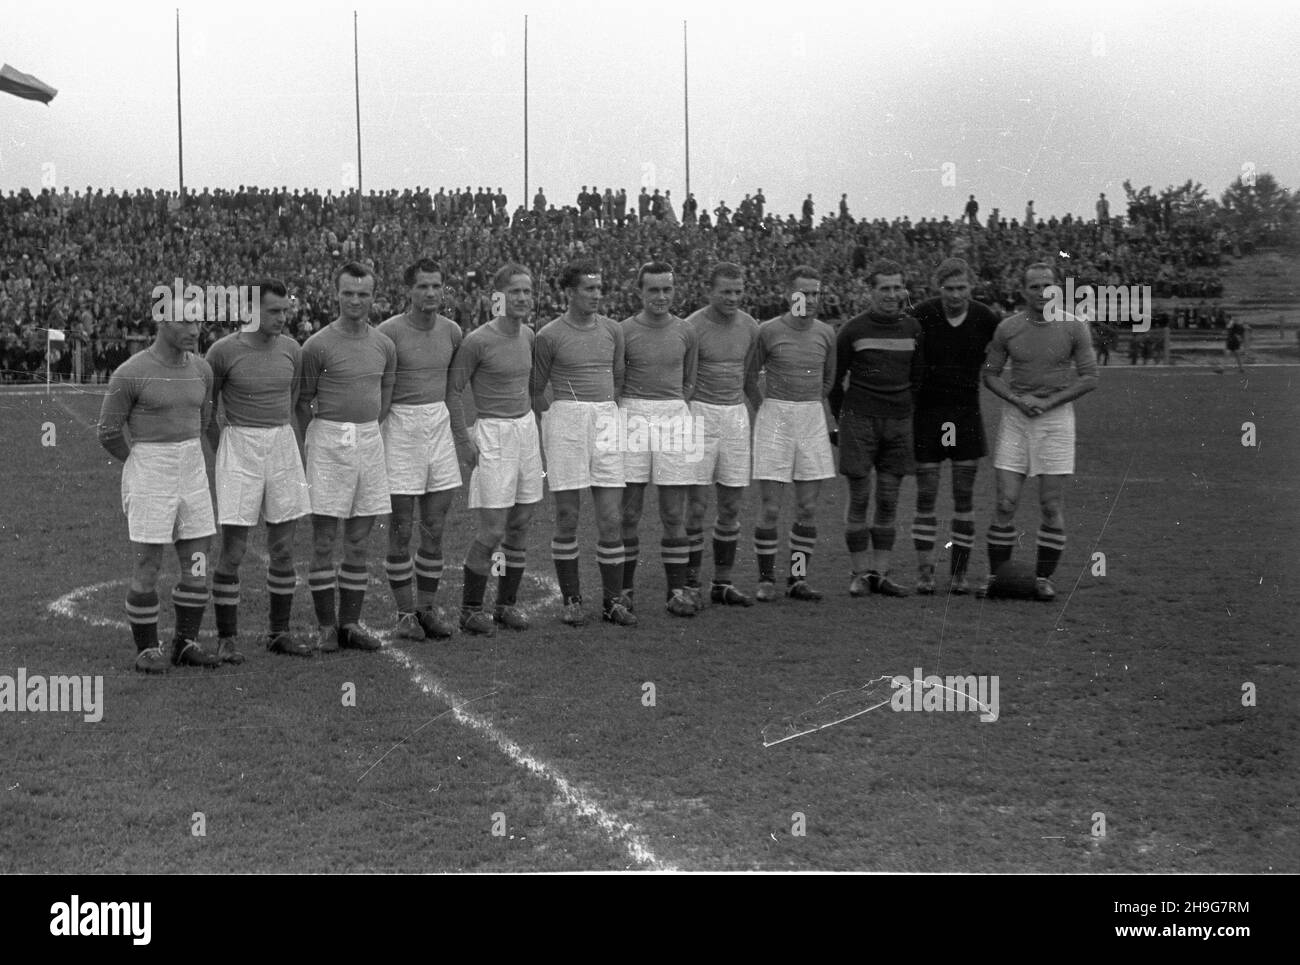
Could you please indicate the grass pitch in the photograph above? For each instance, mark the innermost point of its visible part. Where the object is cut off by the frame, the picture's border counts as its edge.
(1121, 705)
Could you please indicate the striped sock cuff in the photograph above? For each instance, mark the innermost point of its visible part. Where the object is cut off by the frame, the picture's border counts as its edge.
(609, 554)
(802, 538)
(516, 556)
(695, 540)
(631, 549)
(428, 567)
(725, 534)
(142, 608)
(564, 549)
(320, 580)
(766, 542)
(1051, 538)
(965, 539)
(399, 569)
(353, 577)
(1001, 535)
(187, 595)
(925, 529)
(225, 589)
(674, 551)
(281, 582)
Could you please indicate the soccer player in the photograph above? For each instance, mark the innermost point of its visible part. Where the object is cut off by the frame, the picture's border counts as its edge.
(422, 436)
(655, 429)
(791, 443)
(726, 377)
(163, 398)
(259, 473)
(580, 356)
(881, 352)
(495, 361)
(348, 370)
(947, 423)
(1052, 364)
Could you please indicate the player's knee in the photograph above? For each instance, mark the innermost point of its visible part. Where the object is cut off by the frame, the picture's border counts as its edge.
(400, 529)
(609, 523)
(232, 554)
(1005, 506)
(144, 578)
(670, 517)
(769, 513)
(566, 520)
(1053, 512)
(354, 551)
(806, 512)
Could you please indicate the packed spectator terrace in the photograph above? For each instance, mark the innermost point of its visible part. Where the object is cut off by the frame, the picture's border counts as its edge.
(87, 262)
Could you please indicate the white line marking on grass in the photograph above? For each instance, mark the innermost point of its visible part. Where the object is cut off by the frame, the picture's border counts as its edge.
(68, 606)
(619, 831)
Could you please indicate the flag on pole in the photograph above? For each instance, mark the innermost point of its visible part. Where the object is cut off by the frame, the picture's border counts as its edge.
(25, 85)
(57, 335)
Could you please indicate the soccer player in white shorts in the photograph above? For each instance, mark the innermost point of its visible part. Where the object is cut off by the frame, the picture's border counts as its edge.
(495, 362)
(348, 369)
(655, 430)
(726, 379)
(259, 474)
(162, 396)
(579, 356)
(796, 351)
(424, 431)
(1052, 364)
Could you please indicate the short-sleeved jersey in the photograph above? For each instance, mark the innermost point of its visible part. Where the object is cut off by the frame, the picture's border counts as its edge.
(659, 360)
(582, 364)
(954, 354)
(728, 356)
(423, 357)
(157, 402)
(1044, 355)
(496, 367)
(798, 358)
(346, 374)
(883, 359)
(255, 380)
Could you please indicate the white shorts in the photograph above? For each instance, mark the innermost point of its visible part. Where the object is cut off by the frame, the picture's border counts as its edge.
(509, 468)
(791, 442)
(722, 432)
(260, 476)
(165, 492)
(1041, 446)
(346, 469)
(576, 457)
(658, 441)
(420, 450)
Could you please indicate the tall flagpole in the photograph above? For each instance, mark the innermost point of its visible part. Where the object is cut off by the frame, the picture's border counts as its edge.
(180, 133)
(686, 93)
(527, 202)
(356, 78)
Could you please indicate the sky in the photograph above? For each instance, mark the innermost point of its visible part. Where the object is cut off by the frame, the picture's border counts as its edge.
(907, 108)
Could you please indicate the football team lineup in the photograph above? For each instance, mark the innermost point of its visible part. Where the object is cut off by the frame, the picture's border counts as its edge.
(368, 421)
(934, 658)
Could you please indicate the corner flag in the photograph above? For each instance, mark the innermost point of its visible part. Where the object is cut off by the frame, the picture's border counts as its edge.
(25, 85)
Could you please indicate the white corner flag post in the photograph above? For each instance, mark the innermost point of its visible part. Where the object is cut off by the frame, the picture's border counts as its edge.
(52, 335)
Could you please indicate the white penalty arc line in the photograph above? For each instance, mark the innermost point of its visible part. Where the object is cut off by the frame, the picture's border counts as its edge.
(619, 831)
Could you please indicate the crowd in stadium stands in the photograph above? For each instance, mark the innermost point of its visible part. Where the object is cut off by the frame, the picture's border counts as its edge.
(87, 262)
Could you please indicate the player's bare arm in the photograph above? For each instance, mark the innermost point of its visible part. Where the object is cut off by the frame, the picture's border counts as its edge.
(112, 420)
